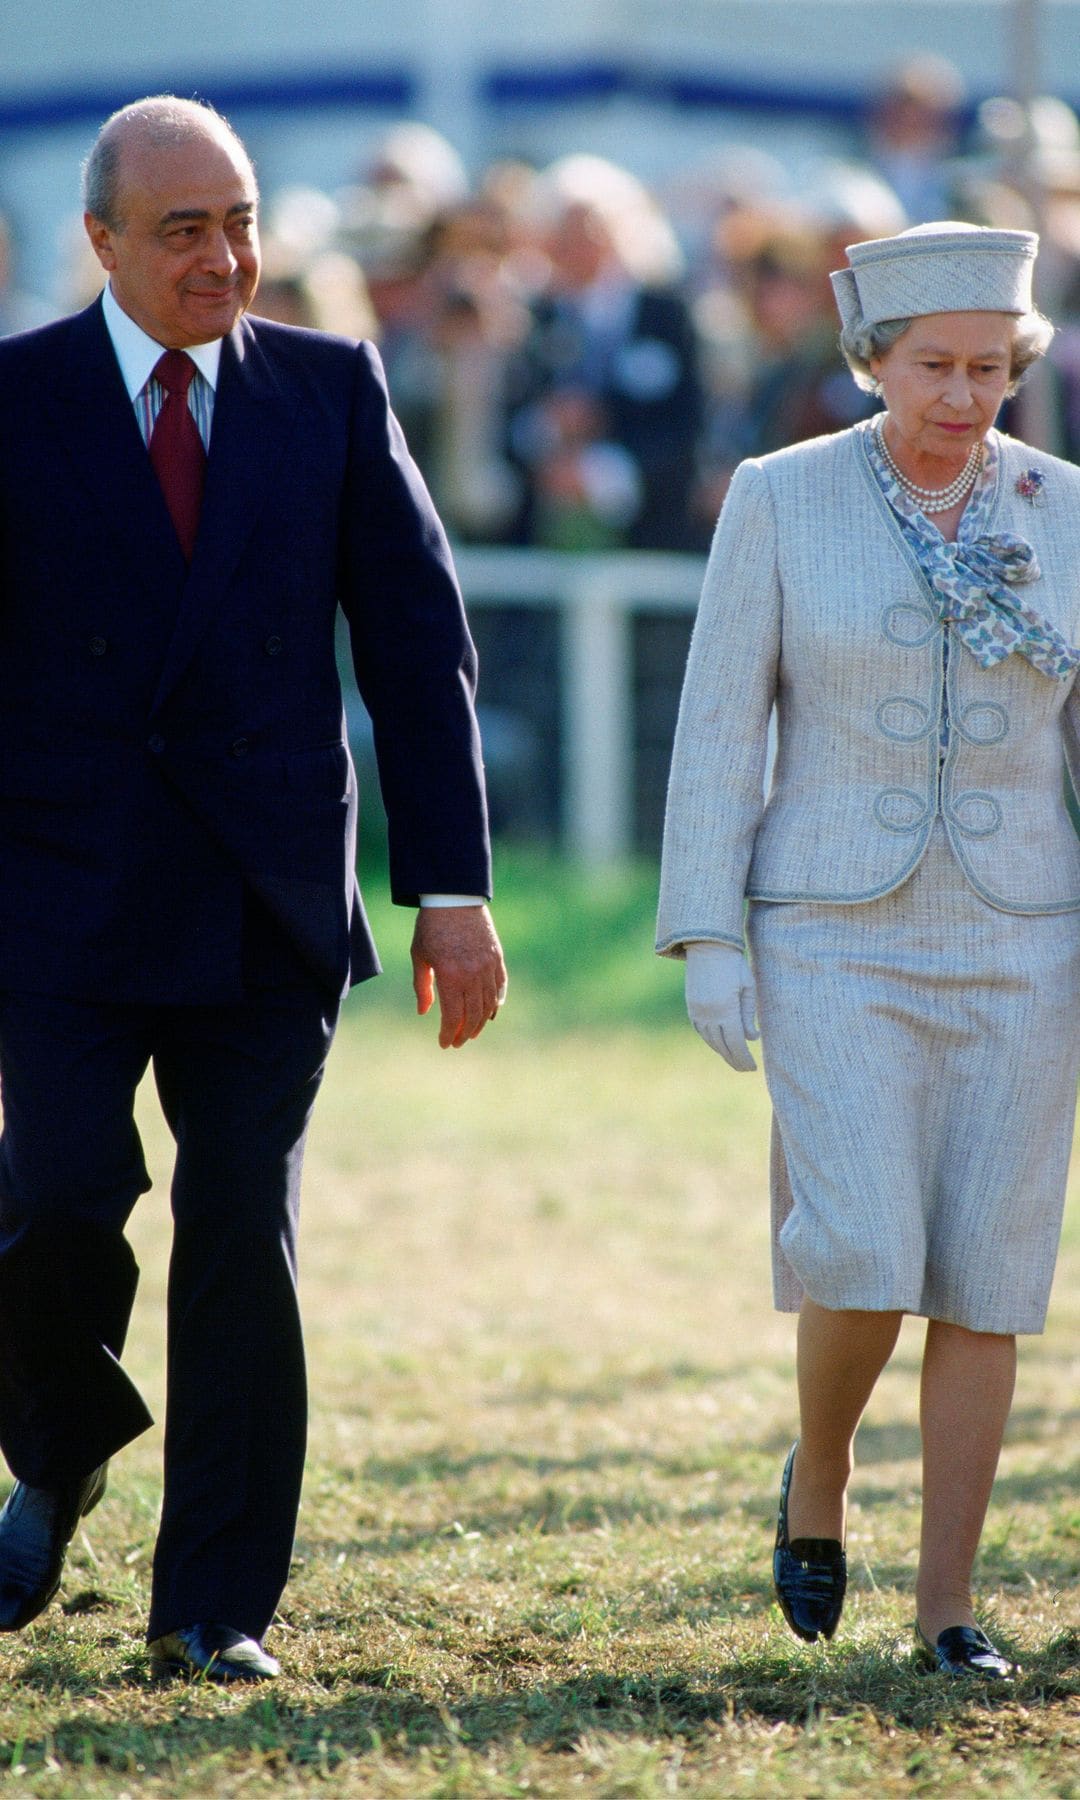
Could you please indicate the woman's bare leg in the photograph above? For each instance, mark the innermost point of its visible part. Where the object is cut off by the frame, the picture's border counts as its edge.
(967, 1388)
(840, 1356)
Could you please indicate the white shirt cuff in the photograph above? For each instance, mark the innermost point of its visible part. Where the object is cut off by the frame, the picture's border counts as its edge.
(452, 900)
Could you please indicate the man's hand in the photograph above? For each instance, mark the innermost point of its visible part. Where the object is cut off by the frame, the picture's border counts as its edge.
(456, 952)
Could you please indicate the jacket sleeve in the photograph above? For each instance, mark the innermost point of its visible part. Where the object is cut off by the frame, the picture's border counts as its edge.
(715, 794)
(1070, 731)
(414, 659)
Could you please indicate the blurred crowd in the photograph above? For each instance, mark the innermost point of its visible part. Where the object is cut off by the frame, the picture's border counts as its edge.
(579, 362)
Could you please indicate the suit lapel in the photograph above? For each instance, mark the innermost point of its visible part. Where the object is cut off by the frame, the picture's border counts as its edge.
(252, 416)
(101, 439)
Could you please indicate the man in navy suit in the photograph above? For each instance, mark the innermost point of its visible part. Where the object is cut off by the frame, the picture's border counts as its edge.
(177, 835)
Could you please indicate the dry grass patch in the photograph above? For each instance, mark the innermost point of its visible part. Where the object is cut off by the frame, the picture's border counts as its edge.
(551, 1405)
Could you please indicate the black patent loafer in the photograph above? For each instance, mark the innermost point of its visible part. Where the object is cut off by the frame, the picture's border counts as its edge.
(964, 1650)
(212, 1653)
(809, 1574)
(36, 1527)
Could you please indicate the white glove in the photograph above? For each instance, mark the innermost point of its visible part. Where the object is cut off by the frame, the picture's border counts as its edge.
(721, 1001)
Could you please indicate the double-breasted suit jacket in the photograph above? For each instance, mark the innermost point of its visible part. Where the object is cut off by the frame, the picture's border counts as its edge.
(171, 739)
(814, 602)
(177, 833)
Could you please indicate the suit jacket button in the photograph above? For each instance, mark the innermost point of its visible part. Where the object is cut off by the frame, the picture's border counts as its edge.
(155, 744)
(240, 747)
(98, 646)
(273, 646)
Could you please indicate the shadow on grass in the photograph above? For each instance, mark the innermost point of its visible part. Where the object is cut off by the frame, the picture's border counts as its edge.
(354, 1709)
(618, 1385)
(556, 1507)
(738, 1581)
(431, 1466)
(892, 1443)
(553, 1513)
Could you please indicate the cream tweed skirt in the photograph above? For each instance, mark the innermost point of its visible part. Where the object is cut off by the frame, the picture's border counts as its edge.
(922, 1054)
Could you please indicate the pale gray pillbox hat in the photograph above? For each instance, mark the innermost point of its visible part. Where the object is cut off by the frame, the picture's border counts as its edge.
(946, 266)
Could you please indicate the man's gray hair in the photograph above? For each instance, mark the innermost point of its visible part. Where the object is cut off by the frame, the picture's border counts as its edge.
(160, 121)
(859, 343)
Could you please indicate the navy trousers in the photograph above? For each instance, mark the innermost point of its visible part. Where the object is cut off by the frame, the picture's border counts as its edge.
(237, 1084)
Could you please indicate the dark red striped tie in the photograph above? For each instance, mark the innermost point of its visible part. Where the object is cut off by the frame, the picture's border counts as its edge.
(176, 449)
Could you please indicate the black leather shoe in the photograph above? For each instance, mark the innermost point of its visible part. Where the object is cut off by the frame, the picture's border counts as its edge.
(809, 1574)
(36, 1527)
(214, 1653)
(964, 1650)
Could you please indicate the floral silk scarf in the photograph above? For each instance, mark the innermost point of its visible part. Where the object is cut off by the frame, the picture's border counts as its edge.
(972, 579)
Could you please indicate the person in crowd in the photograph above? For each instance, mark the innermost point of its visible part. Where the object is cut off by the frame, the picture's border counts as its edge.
(19, 309)
(409, 179)
(1025, 171)
(906, 595)
(187, 496)
(307, 277)
(604, 396)
(794, 385)
(914, 133)
(1067, 369)
(479, 289)
(323, 291)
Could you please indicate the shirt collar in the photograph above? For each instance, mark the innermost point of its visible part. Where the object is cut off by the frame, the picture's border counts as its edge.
(137, 353)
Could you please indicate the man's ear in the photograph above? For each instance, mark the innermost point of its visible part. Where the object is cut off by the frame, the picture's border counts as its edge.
(101, 237)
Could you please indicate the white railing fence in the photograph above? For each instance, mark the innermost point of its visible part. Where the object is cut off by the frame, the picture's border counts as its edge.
(596, 596)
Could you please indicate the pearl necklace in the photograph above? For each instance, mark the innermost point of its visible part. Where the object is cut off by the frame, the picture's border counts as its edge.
(934, 500)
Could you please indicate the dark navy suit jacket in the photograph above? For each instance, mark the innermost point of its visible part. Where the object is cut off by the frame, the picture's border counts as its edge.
(171, 740)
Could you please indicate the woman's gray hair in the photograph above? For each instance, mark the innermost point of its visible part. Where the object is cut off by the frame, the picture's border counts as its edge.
(161, 121)
(859, 343)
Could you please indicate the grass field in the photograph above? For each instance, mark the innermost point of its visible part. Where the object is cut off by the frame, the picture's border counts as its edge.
(551, 1404)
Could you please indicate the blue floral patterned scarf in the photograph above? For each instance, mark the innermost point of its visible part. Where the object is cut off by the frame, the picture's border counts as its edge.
(972, 580)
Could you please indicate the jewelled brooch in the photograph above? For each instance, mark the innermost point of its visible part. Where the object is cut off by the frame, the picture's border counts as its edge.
(1030, 486)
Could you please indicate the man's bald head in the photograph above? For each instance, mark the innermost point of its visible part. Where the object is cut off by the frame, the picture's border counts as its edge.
(171, 213)
(159, 122)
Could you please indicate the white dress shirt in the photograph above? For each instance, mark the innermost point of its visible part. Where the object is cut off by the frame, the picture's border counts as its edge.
(138, 353)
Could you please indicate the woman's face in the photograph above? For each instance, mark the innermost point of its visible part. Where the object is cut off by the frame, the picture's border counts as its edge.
(945, 379)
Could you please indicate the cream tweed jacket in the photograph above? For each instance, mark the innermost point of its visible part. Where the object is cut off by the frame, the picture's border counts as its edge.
(814, 603)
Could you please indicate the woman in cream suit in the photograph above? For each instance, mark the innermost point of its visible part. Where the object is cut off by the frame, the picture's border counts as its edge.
(906, 594)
